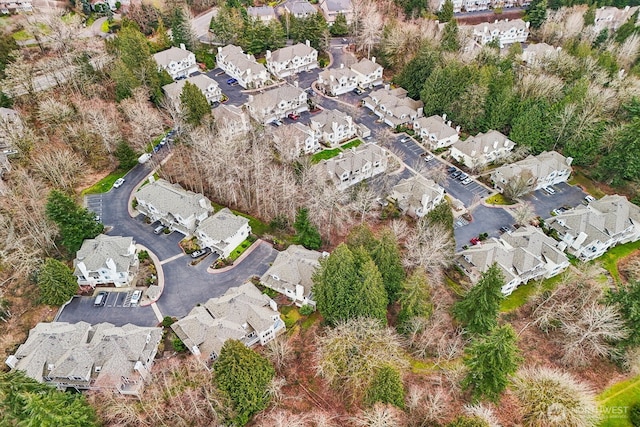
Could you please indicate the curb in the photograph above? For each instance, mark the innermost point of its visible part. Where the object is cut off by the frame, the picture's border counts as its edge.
(240, 259)
(159, 272)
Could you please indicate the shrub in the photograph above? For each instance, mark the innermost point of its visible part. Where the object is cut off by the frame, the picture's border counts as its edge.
(167, 321)
(307, 310)
(143, 256)
(634, 414)
(178, 345)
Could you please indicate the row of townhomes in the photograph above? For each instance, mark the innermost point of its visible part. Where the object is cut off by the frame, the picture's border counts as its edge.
(330, 9)
(393, 106)
(505, 32)
(355, 165)
(522, 255)
(209, 88)
(242, 66)
(106, 260)
(480, 150)
(587, 232)
(417, 196)
(243, 313)
(364, 74)
(177, 61)
(277, 103)
(476, 5)
(534, 172)
(85, 357)
(192, 214)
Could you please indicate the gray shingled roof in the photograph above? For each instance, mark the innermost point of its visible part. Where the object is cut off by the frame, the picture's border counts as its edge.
(222, 225)
(269, 99)
(171, 198)
(202, 82)
(234, 55)
(338, 5)
(437, 126)
(95, 252)
(482, 140)
(326, 118)
(165, 57)
(409, 192)
(293, 266)
(365, 66)
(299, 7)
(260, 11)
(289, 52)
(354, 159)
(539, 166)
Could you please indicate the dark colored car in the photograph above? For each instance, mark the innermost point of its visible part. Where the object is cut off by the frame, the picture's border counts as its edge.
(451, 169)
(456, 174)
(232, 81)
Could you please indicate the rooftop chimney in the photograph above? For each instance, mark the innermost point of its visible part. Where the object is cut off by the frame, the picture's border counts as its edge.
(307, 42)
(373, 59)
(182, 46)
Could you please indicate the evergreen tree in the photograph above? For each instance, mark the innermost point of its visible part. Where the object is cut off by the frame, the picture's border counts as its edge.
(478, 310)
(8, 46)
(500, 101)
(26, 402)
(536, 13)
(490, 361)
(56, 282)
(127, 158)
(162, 40)
(626, 29)
(75, 223)
(627, 299)
(472, 421)
(194, 104)
(530, 127)
(414, 74)
(443, 215)
(415, 299)
(313, 28)
(386, 387)
(243, 376)
(444, 86)
(368, 296)
(449, 41)
(181, 31)
(124, 79)
(339, 27)
(388, 259)
(307, 234)
(331, 283)
(361, 236)
(589, 16)
(622, 162)
(446, 11)
(227, 26)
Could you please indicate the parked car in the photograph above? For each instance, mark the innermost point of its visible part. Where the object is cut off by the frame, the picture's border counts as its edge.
(475, 241)
(200, 252)
(118, 183)
(466, 181)
(451, 169)
(358, 91)
(382, 202)
(549, 190)
(456, 174)
(505, 229)
(294, 116)
(135, 297)
(462, 176)
(159, 229)
(101, 299)
(428, 158)
(404, 140)
(589, 199)
(232, 81)
(276, 123)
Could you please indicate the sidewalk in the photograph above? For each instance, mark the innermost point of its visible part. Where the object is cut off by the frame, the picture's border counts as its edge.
(156, 293)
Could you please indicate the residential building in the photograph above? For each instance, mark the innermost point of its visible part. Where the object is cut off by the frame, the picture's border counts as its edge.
(263, 13)
(521, 255)
(231, 121)
(505, 32)
(355, 165)
(277, 103)
(538, 53)
(435, 131)
(223, 232)
(77, 355)
(290, 274)
(587, 232)
(333, 127)
(417, 196)
(300, 138)
(243, 313)
(393, 106)
(242, 67)
(105, 260)
(368, 73)
(173, 206)
(209, 88)
(476, 5)
(297, 8)
(337, 81)
(14, 6)
(546, 169)
(292, 60)
(482, 149)
(612, 18)
(332, 8)
(177, 61)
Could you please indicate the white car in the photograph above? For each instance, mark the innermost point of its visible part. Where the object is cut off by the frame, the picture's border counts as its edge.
(549, 190)
(135, 297)
(428, 158)
(118, 183)
(589, 199)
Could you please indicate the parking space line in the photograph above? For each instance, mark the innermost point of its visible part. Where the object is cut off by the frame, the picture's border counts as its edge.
(163, 262)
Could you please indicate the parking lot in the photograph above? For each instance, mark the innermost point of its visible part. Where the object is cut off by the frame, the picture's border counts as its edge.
(233, 92)
(566, 195)
(116, 310)
(484, 220)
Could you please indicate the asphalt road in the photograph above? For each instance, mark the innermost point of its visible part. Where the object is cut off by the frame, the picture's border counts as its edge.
(485, 220)
(566, 195)
(81, 309)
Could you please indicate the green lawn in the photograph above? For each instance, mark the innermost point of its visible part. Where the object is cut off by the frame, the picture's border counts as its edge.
(105, 26)
(454, 286)
(351, 144)
(498, 199)
(258, 227)
(616, 401)
(66, 18)
(105, 183)
(240, 250)
(580, 179)
(290, 315)
(522, 294)
(612, 256)
(22, 35)
(325, 155)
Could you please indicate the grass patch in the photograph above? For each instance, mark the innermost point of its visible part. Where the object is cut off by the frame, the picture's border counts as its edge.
(105, 26)
(258, 227)
(105, 183)
(240, 250)
(351, 144)
(22, 35)
(420, 366)
(325, 155)
(522, 294)
(612, 256)
(616, 399)
(499, 199)
(455, 286)
(586, 183)
(311, 320)
(290, 315)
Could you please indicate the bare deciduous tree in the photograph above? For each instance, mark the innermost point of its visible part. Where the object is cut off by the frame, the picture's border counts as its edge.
(523, 214)
(60, 166)
(144, 120)
(483, 412)
(279, 352)
(429, 247)
(379, 416)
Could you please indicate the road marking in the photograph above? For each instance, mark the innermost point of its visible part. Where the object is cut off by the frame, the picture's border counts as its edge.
(157, 311)
(171, 259)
